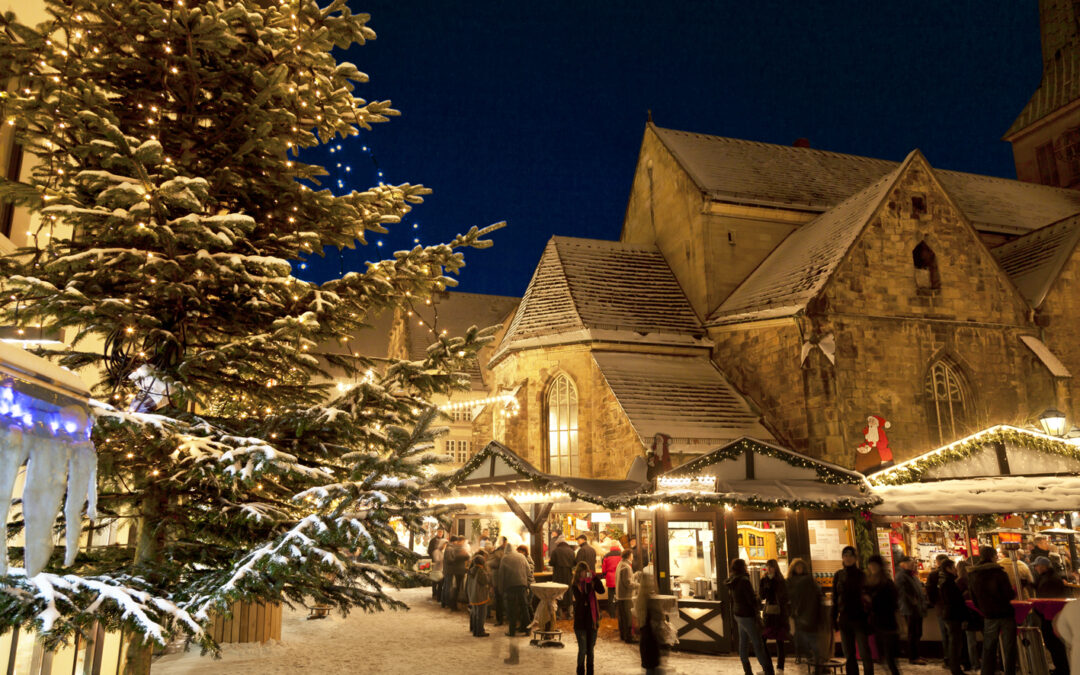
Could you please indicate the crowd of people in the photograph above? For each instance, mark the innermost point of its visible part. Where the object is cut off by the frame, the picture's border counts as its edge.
(494, 580)
(870, 609)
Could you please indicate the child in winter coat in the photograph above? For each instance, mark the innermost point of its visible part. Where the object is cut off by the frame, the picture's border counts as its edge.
(478, 588)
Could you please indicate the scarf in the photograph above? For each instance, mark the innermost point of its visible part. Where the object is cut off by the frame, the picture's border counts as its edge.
(585, 586)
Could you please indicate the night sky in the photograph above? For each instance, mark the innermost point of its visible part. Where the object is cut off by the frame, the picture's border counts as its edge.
(533, 113)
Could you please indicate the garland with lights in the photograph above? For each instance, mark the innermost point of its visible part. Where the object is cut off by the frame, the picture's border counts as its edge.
(827, 474)
(913, 470)
(648, 497)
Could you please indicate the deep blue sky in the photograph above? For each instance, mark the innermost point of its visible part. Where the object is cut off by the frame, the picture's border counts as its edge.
(533, 112)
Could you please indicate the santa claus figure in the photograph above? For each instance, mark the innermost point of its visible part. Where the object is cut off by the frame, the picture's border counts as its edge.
(874, 452)
(659, 457)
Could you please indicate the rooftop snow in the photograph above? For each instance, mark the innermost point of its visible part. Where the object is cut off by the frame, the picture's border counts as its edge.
(1034, 260)
(1000, 494)
(590, 289)
(749, 172)
(798, 268)
(684, 397)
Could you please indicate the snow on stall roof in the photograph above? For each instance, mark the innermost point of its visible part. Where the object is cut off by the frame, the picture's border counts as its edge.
(750, 172)
(584, 286)
(1048, 358)
(1035, 260)
(999, 494)
(798, 268)
(36, 367)
(684, 397)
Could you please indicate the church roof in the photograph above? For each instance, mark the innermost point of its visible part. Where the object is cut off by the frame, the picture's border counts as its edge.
(1035, 260)
(749, 172)
(592, 290)
(1060, 83)
(684, 397)
(799, 266)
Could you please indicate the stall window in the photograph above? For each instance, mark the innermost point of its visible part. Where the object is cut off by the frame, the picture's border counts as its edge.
(762, 540)
(692, 559)
(947, 402)
(562, 427)
(827, 539)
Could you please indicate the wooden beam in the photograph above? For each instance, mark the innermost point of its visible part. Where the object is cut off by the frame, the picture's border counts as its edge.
(519, 512)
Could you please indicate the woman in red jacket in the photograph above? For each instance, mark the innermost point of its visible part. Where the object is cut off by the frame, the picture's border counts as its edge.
(608, 566)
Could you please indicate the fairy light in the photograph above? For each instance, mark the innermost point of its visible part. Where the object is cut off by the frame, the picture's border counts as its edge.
(532, 497)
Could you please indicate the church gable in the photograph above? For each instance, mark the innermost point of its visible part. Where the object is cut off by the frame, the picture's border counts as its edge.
(919, 257)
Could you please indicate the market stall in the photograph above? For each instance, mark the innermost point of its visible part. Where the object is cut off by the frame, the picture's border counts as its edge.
(498, 493)
(750, 500)
(997, 487)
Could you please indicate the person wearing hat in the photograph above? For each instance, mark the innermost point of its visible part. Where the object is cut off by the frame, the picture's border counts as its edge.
(913, 606)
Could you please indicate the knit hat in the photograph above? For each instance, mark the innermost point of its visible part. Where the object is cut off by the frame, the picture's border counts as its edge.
(1042, 560)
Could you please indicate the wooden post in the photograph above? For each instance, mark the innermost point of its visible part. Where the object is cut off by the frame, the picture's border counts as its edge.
(534, 525)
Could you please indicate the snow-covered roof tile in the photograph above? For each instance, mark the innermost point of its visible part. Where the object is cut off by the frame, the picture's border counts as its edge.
(589, 287)
(684, 397)
(1048, 358)
(736, 170)
(798, 268)
(1034, 260)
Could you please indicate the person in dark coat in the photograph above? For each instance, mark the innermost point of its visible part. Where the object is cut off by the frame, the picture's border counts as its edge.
(774, 594)
(562, 571)
(954, 611)
(585, 587)
(478, 591)
(849, 615)
(932, 586)
(973, 620)
(493, 562)
(625, 585)
(1049, 584)
(883, 600)
(514, 578)
(585, 552)
(433, 545)
(807, 611)
(455, 564)
(914, 603)
(992, 593)
(641, 558)
(745, 607)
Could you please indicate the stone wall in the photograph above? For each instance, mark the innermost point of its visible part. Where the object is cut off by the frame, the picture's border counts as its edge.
(607, 442)
(1060, 314)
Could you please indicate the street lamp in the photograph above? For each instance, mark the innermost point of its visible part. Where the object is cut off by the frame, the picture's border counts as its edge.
(1053, 422)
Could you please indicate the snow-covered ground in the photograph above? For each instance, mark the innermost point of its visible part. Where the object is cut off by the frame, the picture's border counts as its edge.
(429, 639)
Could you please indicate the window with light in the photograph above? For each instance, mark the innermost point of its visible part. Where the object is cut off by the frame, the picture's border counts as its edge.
(562, 416)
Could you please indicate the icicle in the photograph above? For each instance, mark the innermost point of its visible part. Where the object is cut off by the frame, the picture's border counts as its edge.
(12, 455)
(82, 470)
(46, 478)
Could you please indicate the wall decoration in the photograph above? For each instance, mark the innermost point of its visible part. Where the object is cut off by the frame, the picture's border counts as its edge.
(874, 452)
(659, 459)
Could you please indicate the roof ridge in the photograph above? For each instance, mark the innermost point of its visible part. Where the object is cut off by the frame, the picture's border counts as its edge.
(607, 243)
(866, 158)
(882, 185)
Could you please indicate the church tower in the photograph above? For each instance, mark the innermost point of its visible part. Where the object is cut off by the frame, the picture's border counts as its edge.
(1046, 135)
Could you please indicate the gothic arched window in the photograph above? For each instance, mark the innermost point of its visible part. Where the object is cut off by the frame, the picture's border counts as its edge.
(948, 404)
(562, 425)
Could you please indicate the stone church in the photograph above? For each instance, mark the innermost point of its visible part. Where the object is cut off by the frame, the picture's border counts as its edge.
(822, 301)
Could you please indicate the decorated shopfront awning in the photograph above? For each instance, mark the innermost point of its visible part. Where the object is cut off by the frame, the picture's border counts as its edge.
(497, 472)
(45, 425)
(1002, 469)
(756, 474)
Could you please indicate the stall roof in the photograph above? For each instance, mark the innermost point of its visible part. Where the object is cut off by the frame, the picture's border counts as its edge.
(1026, 453)
(755, 473)
(971, 496)
(497, 468)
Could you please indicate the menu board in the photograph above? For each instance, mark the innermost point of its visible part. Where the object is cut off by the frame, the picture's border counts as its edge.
(885, 547)
(827, 541)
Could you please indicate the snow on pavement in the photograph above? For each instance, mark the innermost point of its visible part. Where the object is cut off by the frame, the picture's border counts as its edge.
(426, 639)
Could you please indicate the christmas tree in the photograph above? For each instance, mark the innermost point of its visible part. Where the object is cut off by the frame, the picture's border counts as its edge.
(171, 199)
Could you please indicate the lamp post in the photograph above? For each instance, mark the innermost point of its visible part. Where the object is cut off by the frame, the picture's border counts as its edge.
(1053, 422)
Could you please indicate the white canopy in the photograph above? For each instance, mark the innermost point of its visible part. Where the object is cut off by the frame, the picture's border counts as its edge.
(970, 496)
